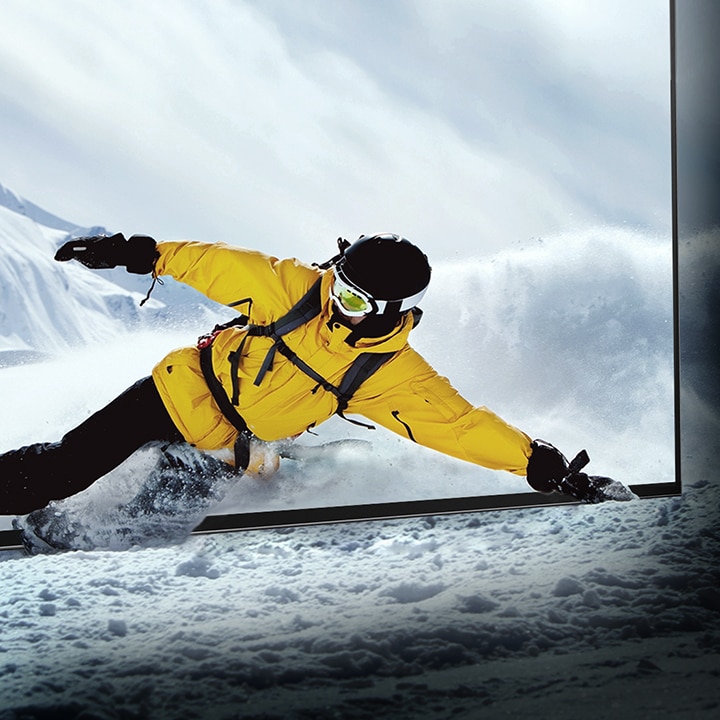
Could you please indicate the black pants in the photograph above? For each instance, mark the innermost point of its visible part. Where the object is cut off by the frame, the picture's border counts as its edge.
(35, 474)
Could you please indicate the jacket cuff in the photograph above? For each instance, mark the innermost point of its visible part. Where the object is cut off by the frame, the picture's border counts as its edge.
(142, 254)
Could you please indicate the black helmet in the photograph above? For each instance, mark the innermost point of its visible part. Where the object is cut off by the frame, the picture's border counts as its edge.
(390, 272)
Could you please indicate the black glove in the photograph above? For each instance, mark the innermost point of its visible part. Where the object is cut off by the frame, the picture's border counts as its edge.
(549, 471)
(138, 254)
(594, 488)
(546, 467)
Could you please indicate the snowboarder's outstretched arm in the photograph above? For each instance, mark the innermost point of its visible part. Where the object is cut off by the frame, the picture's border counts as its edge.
(232, 275)
(409, 397)
(413, 400)
(227, 274)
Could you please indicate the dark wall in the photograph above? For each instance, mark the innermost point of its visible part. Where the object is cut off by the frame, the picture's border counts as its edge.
(698, 193)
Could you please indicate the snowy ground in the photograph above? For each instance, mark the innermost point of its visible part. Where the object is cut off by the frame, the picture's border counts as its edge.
(591, 611)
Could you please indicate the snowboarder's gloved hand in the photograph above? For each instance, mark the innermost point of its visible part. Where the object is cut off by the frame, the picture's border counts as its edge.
(587, 488)
(549, 471)
(546, 467)
(137, 254)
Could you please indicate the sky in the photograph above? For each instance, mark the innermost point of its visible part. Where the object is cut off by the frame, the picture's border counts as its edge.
(465, 126)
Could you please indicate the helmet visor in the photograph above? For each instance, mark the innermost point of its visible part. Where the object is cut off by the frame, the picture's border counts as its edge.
(351, 300)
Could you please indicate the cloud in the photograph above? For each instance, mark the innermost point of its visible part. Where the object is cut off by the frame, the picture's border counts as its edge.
(574, 93)
(284, 125)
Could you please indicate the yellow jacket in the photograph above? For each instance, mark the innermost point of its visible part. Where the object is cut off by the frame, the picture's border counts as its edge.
(405, 395)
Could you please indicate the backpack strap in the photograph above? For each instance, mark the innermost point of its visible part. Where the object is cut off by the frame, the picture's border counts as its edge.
(242, 443)
(304, 310)
(362, 368)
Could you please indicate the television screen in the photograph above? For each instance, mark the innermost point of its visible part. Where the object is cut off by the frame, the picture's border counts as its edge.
(527, 149)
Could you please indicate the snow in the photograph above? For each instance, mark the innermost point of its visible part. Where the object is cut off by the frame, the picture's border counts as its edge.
(505, 610)
(20, 206)
(599, 611)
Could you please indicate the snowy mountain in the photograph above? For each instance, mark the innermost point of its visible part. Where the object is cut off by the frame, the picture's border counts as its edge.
(46, 306)
(21, 206)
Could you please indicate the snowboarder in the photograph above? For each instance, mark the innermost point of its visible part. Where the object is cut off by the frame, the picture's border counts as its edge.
(311, 341)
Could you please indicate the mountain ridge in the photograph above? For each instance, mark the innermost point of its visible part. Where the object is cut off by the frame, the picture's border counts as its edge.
(47, 307)
(30, 210)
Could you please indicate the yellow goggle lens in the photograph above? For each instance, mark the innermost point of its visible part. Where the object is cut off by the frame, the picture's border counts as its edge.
(350, 300)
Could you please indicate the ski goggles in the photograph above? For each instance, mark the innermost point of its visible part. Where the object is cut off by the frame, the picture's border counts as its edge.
(354, 302)
(351, 300)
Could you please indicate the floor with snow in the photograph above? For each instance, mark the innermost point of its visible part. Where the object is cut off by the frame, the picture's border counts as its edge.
(595, 611)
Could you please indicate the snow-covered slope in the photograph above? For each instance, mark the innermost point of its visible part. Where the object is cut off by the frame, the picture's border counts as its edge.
(46, 306)
(450, 617)
(21, 206)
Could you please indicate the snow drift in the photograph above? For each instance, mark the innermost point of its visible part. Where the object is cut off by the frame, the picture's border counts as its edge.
(412, 618)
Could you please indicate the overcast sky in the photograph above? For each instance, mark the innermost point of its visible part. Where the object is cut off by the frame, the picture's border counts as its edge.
(467, 126)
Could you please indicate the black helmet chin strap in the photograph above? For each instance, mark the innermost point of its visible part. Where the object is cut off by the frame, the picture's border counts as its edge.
(343, 245)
